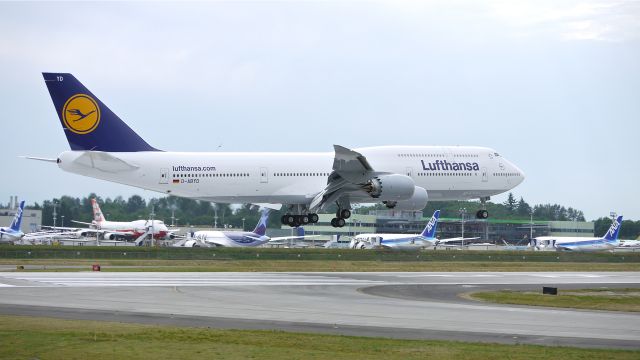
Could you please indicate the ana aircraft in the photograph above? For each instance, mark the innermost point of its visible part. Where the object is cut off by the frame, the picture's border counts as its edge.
(606, 242)
(399, 241)
(402, 177)
(253, 238)
(406, 241)
(13, 232)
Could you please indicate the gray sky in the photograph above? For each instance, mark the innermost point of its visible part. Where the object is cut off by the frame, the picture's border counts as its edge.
(554, 86)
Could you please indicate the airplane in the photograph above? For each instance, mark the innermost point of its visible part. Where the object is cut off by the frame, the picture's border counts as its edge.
(629, 244)
(399, 241)
(253, 238)
(401, 177)
(13, 233)
(407, 242)
(606, 242)
(118, 230)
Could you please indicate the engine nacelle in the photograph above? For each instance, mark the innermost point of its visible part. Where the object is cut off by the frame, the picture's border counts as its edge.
(392, 187)
(416, 202)
(110, 236)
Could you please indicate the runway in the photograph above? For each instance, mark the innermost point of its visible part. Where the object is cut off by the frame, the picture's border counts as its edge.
(404, 305)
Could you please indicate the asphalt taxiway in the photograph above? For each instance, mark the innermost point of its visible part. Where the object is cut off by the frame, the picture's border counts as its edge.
(398, 304)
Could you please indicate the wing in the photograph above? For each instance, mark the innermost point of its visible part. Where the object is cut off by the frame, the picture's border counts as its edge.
(351, 172)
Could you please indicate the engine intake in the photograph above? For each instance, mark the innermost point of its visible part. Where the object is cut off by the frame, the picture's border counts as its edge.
(392, 187)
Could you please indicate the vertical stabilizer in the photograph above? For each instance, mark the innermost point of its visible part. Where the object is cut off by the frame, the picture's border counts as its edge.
(430, 230)
(612, 233)
(97, 213)
(87, 122)
(17, 219)
(261, 228)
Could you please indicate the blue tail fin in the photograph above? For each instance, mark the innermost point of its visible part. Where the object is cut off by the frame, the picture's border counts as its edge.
(430, 230)
(87, 122)
(261, 228)
(612, 233)
(17, 219)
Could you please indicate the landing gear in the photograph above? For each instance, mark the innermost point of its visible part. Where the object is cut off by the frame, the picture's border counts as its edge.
(341, 215)
(337, 222)
(483, 213)
(297, 220)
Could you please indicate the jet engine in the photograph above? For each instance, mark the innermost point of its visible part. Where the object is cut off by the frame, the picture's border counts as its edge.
(111, 236)
(417, 201)
(392, 187)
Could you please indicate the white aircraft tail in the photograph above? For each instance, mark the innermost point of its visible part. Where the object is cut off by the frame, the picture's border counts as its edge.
(97, 213)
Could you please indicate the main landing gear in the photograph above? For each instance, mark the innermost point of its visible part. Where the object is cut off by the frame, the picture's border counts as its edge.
(297, 220)
(341, 215)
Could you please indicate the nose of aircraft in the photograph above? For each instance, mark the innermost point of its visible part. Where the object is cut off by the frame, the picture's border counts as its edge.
(520, 177)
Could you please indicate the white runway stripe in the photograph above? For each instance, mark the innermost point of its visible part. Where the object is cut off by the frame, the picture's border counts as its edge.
(181, 279)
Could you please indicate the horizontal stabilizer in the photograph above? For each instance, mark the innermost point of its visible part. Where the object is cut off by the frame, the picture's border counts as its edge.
(105, 162)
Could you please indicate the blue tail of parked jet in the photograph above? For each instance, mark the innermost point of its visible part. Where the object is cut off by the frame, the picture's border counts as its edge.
(612, 233)
(17, 219)
(87, 122)
(430, 230)
(261, 228)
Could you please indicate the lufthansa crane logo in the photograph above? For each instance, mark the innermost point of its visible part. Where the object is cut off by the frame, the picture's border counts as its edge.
(81, 114)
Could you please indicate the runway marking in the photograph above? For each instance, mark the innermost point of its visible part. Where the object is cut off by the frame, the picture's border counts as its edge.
(184, 279)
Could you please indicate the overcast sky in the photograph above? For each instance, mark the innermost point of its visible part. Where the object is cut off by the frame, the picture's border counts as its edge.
(554, 86)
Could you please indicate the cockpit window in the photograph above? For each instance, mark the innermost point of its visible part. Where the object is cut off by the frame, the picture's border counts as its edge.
(496, 154)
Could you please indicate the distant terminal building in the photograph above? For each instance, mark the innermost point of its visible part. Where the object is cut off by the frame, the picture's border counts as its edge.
(413, 222)
(31, 219)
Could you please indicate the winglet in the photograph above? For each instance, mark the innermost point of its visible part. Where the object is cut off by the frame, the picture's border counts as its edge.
(429, 231)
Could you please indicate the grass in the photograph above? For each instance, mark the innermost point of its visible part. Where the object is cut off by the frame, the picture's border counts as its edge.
(46, 338)
(592, 299)
(317, 265)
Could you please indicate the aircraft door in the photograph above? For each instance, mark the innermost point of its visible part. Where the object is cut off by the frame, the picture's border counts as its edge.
(485, 175)
(409, 172)
(264, 175)
(164, 176)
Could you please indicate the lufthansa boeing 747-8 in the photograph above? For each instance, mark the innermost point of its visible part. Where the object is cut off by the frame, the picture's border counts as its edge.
(401, 177)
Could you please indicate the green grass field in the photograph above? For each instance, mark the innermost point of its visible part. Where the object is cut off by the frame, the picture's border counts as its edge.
(46, 338)
(592, 299)
(314, 265)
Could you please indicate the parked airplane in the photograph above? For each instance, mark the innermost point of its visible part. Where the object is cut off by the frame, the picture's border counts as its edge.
(408, 242)
(118, 230)
(606, 242)
(402, 177)
(399, 241)
(13, 232)
(253, 238)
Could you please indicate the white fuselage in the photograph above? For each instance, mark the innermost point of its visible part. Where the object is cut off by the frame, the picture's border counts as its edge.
(133, 228)
(391, 241)
(295, 178)
(574, 243)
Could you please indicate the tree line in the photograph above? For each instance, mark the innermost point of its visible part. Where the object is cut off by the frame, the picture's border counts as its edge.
(186, 212)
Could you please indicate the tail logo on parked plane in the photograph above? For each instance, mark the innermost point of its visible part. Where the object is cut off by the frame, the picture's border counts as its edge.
(81, 114)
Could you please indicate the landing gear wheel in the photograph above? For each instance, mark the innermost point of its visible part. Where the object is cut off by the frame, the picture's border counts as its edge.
(344, 213)
(340, 222)
(303, 219)
(313, 218)
(482, 214)
(333, 222)
(283, 220)
(291, 220)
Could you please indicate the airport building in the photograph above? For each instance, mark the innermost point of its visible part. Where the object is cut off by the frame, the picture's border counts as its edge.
(413, 222)
(31, 219)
